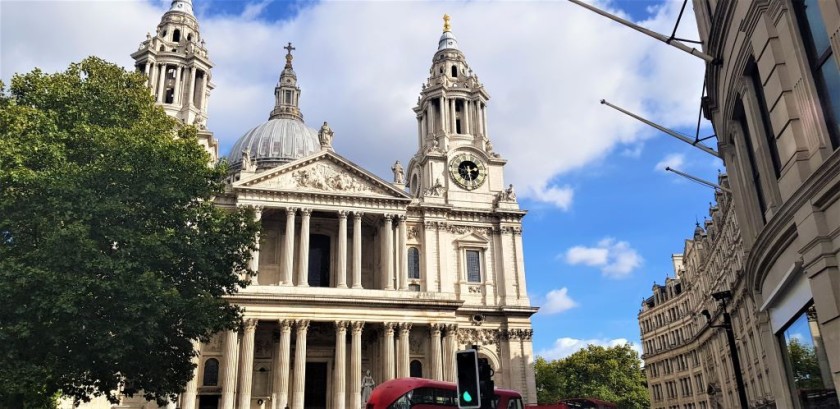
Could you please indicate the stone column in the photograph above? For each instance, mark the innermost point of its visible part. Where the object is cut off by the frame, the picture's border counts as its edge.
(405, 330)
(192, 88)
(435, 363)
(484, 121)
(450, 347)
(340, 375)
(388, 252)
(161, 81)
(403, 253)
(388, 351)
(342, 250)
(303, 254)
(246, 372)
(467, 113)
(289, 241)
(176, 89)
(255, 255)
(357, 249)
(443, 114)
(280, 388)
(300, 364)
(204, 91)
(188, 397)
(229, 370)
(452, 128)
(356, 365)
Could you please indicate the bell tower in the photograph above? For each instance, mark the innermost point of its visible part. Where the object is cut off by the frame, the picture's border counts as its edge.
(286, 92)
(455, 163)
(177, 69)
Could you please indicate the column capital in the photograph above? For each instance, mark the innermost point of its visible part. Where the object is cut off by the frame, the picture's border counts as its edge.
(435, 328)
(402, 218)
(357, 326)
(305, 212)
(250, 324)
(342, 214)
(451, 329)
(341, 326)
(388, 217)
(358, 215)
(389, 327)
(404, 327)
(290, 211)
(302, 325)
(285, 325)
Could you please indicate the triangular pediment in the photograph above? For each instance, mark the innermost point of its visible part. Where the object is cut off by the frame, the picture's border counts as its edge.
(324, 172)
(473, 238)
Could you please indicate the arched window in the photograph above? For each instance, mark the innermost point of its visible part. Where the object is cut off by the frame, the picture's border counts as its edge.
(413, 262)
(211, 372)
(176, 35)
(416, 369)
(454, 71)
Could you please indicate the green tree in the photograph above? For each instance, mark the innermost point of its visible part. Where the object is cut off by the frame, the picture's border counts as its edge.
(113, 258)
(612, 374)
(806, 368)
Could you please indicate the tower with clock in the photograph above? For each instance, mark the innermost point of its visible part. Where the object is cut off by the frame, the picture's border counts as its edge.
(455, 163)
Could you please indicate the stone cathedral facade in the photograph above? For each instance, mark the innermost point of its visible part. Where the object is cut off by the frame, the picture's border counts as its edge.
(356, 273)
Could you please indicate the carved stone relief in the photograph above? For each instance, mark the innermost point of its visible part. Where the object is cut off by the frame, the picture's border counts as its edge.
(323, 177)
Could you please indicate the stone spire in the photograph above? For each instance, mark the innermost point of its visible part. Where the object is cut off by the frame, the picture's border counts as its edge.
(286, 92)
(177, 66)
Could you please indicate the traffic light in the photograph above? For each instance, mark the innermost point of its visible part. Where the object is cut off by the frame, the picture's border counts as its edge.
(469, 395)
(485, 381)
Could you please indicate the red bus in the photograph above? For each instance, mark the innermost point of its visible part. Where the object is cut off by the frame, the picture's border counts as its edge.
(419, 393)
(575, 403)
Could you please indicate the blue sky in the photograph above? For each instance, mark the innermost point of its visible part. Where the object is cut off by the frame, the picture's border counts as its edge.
(603, 217)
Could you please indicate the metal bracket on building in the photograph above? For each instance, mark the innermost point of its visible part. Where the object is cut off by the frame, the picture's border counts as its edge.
(672, 41)
(696, 143)
(698, 180)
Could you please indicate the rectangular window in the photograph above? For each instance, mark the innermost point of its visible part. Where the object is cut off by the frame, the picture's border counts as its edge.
(824, 68)
(740, 116)
(473, 266)
(287, 98)
(764, 112)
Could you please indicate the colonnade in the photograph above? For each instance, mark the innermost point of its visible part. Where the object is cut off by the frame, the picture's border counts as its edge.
(238, 366)
(156, 73)
(473, 116)
(393, 254)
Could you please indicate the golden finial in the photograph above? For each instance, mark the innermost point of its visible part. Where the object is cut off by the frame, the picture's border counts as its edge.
(446, 25)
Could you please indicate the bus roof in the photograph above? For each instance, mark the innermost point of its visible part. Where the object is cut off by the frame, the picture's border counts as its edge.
(389, 391)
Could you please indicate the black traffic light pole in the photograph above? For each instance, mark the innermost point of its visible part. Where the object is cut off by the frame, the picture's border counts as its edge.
(722, 296)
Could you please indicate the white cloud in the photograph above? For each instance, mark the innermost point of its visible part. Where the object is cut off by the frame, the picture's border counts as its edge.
(565, 346)
(615, 258)
(672, 160)
(360, 66)
(557, 301)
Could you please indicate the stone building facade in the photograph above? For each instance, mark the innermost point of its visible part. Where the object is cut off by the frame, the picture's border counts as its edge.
(358, 278)
(774, 101)
(687, 360)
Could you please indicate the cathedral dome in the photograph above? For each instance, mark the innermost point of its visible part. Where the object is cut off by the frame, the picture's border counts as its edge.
(275, 142)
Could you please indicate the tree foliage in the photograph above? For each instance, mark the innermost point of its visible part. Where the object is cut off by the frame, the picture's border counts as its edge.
(612, 374)
(806, 367)
(112, 255)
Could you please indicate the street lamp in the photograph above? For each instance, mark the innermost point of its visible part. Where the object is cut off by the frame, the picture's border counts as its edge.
(722, 297)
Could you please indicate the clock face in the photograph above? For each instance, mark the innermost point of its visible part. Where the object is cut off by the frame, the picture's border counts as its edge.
(467, 171)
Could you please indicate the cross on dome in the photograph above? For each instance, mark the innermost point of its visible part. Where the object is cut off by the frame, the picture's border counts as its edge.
(289, 56)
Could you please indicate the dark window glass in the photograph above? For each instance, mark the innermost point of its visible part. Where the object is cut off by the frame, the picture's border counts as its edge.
(755, 175)
(211, 372)
(807, 362)
(473, 266)
(764, 112)
(319, 260)
(413, 262)
(823, 66)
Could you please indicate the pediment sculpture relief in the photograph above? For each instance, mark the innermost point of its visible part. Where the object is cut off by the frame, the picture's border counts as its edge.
(323, 177)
